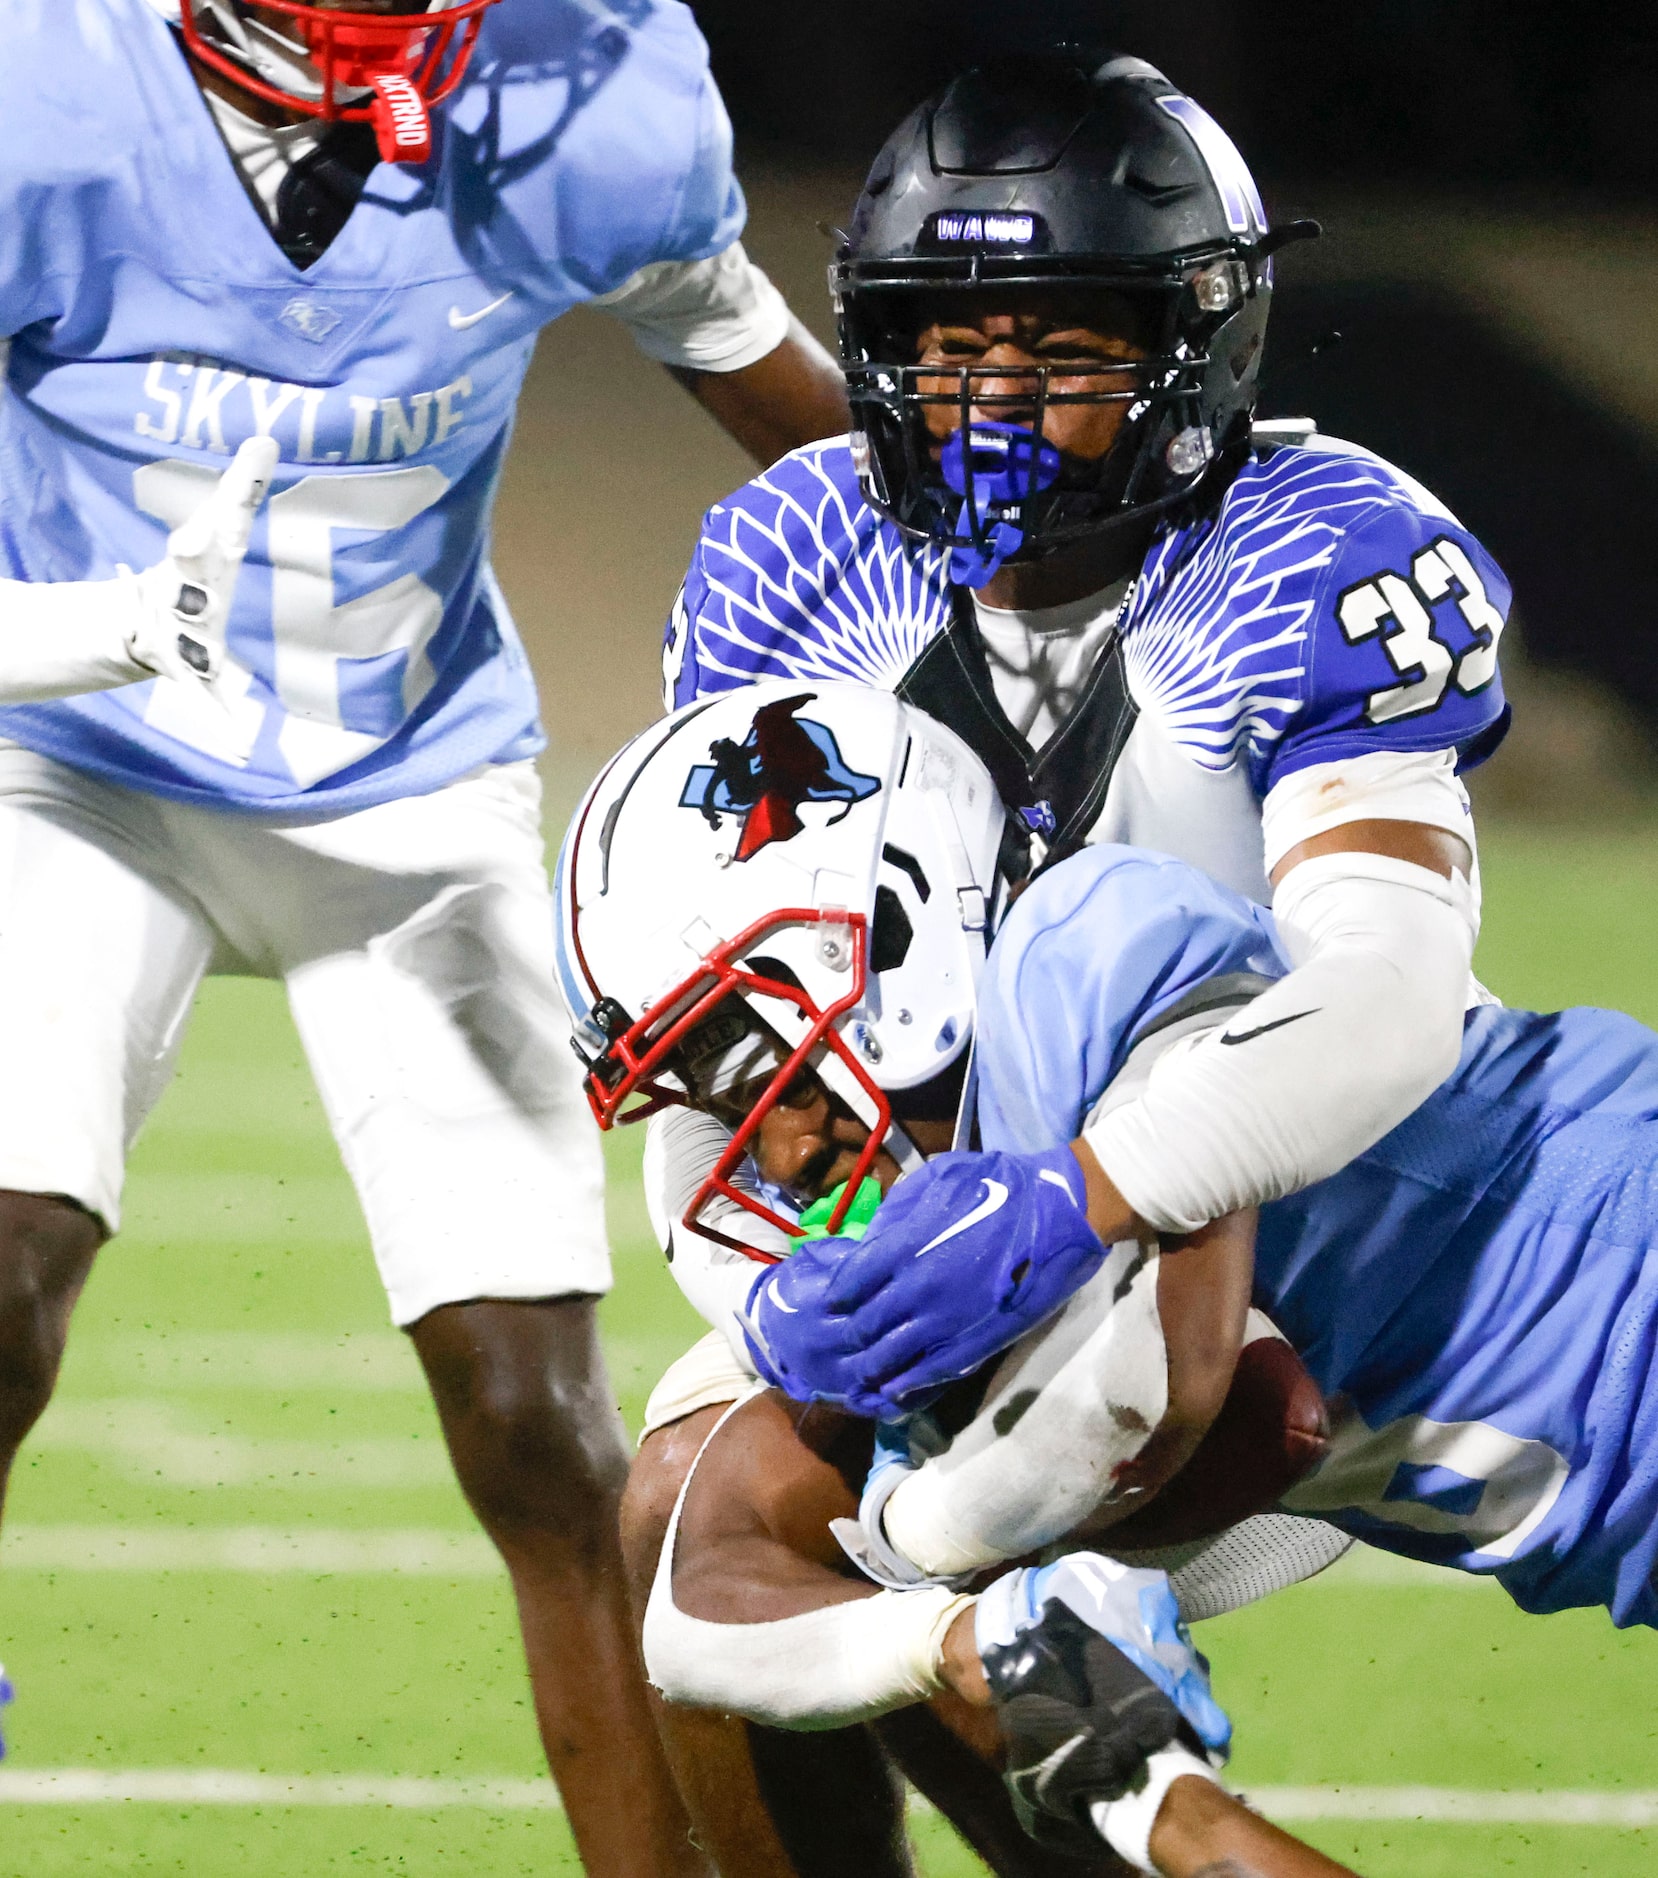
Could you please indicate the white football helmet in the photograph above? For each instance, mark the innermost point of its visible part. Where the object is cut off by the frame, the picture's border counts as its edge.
(822, 859)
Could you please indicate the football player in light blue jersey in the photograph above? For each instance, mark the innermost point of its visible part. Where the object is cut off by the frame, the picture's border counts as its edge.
(1476, 1295)
(328, 235)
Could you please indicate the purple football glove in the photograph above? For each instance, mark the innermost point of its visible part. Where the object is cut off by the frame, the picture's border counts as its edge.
(965, 1256)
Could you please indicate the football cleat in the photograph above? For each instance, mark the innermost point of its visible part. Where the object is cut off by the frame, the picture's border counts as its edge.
(1091, 1672)
(386, 68)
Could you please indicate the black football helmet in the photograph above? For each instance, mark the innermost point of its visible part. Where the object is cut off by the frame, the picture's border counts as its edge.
(1052, 182)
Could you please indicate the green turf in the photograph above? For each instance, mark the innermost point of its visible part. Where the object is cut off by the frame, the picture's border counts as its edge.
(231, 1365)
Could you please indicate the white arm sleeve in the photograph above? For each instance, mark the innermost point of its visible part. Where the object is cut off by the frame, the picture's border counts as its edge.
(681, 1147)
(60, 638)
(1319, 1068)
(716, 315)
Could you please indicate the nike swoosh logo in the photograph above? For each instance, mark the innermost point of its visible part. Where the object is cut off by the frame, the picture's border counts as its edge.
(777, 1303)
(460, 321)
(995, 1198)
(1277, 1023)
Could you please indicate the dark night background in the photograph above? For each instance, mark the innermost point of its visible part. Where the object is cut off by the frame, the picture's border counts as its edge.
(1472, 93)
(1525, 137)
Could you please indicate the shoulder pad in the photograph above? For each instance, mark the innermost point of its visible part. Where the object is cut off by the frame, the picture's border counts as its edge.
(1266, 633)
(795, 576)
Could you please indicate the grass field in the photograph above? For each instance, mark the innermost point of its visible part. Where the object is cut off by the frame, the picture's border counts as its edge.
(234, 1549)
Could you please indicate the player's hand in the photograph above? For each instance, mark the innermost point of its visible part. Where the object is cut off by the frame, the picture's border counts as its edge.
(184, 600)
(797, 1344)
(964, 1257)
(1091, 1672)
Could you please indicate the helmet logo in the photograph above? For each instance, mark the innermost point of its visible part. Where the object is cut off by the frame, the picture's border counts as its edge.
(782, 762)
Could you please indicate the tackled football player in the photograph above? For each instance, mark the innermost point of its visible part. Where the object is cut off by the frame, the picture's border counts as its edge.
(330, 236)
(1058, 528)
(1476, 1291)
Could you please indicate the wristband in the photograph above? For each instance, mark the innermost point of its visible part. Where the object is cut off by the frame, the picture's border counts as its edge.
(1125, 1824)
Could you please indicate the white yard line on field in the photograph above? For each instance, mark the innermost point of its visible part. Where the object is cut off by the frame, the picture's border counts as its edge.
(202, 1786)
(442, 1552)
(159, 1441)
(263, 1550)
(290, 1362)
(213, 1787)
(1454, 1806)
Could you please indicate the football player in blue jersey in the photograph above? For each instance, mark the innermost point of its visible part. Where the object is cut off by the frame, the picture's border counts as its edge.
(792, 944)
(1057, 526)
(333, 232)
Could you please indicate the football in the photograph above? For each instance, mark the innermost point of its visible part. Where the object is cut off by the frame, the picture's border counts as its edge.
(1272, 1430)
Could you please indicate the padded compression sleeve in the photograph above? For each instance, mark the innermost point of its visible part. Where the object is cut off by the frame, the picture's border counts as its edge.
(1070, 1404)
(1319, 1068)
(60, 638)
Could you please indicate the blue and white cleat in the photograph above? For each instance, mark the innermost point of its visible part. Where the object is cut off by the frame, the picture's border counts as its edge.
(1092, 1672)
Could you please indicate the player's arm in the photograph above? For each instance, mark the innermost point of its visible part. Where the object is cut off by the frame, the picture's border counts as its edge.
(724, 331)
(795, 394)
(1369, 847)
(58, 639)
(1202, 1831)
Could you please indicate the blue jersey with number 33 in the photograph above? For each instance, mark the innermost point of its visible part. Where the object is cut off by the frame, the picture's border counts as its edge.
(1477, 1295)
(1330, 606)
(154, 324)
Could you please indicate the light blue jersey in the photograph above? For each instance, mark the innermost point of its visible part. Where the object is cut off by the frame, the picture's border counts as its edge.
(1329, 607)
(155, 324)
(1477, 1296)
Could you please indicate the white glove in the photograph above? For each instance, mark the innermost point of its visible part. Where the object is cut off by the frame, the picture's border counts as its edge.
(185, 600)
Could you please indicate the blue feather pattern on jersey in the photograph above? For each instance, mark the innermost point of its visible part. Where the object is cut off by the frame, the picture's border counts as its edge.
(804, 580)
(796, 577)
(1215, 641)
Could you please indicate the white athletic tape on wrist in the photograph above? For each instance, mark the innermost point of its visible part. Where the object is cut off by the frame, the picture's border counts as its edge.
(1068, 1406)
(1125, 1825)
(1317, 1069)
(826, 1668)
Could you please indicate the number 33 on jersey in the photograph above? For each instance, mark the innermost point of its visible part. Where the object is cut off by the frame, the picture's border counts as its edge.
(1399, 611)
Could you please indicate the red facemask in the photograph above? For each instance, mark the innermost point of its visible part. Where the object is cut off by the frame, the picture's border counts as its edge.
(409, 61)
(638, 1055)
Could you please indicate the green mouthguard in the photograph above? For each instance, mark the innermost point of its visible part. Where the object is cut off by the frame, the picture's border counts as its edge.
(862, 1210)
